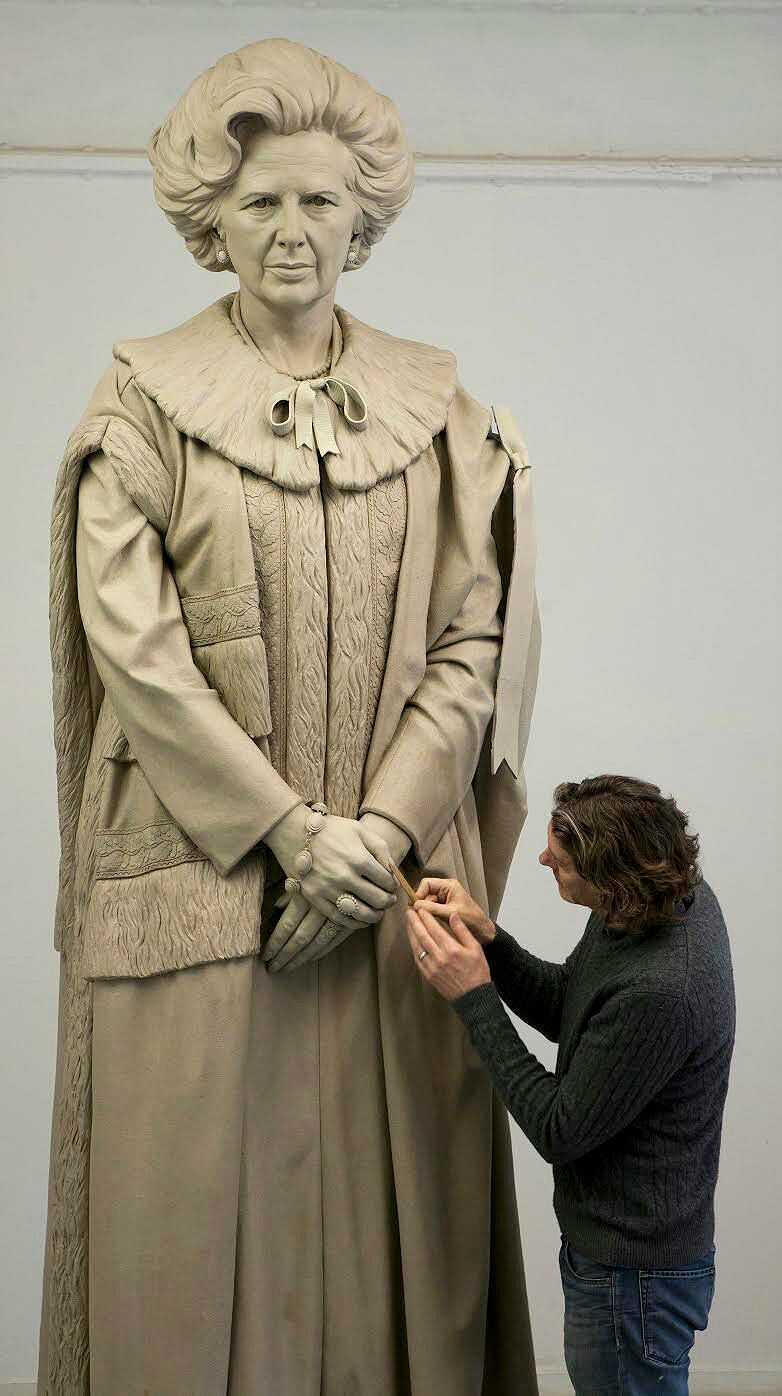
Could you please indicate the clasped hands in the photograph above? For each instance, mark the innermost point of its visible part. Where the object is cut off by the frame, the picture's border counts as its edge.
(349, 856)
(352, 855)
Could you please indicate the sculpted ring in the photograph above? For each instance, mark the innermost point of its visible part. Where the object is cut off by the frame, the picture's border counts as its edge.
(347, 905)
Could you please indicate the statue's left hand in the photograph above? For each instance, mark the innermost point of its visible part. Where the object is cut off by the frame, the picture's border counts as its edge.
(303, 934)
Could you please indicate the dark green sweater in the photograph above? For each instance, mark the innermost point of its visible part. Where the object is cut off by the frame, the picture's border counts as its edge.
(632, 1116)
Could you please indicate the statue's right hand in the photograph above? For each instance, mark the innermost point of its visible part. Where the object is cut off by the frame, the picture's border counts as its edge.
(341, 862)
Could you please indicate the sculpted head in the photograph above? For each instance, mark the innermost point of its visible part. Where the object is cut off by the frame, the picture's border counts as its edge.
(282, 165)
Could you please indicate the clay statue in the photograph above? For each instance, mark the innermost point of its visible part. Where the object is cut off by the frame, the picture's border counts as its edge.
(294, 638)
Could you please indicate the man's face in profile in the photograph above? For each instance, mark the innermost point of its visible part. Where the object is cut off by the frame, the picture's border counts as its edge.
(572, 888)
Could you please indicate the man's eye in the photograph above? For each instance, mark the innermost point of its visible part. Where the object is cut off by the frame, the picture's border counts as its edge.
(262, 202)
(319, 201)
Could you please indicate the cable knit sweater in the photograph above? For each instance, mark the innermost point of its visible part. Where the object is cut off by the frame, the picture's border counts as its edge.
(632, 1116)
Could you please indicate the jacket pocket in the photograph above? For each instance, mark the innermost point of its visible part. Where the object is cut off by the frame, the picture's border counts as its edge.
(155, 902)
(172, 918)
(135, 832)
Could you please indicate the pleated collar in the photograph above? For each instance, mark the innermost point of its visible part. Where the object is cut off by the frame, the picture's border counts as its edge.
(208, 377)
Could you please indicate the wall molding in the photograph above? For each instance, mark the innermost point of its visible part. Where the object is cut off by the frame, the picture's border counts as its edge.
(90, 162)
(639, 8)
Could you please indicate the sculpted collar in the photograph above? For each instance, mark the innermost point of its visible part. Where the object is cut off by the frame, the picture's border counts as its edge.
(380, 405)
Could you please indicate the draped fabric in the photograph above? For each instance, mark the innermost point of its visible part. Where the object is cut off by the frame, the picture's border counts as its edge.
(333, 558)
(277, 1185)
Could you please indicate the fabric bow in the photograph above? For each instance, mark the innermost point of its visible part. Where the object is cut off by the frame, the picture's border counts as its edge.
(520, 605)
(306, 409)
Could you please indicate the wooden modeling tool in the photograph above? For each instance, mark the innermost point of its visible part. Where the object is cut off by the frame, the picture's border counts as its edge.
(403, 882)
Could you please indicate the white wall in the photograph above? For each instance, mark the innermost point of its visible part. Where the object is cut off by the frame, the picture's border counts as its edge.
(631, 318)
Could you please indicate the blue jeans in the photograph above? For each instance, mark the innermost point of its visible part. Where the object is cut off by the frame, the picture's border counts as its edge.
(629, 1332)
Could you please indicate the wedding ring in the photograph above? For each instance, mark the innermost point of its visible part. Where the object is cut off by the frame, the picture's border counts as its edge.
(423, 954)
(347, 905)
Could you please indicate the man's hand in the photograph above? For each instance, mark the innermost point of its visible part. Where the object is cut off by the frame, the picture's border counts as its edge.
(454, 962)
(442, 896)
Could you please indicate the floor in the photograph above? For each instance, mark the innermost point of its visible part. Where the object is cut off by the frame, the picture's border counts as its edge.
(557, 1384)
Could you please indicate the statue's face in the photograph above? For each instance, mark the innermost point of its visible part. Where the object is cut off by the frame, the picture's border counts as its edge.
(289, 218)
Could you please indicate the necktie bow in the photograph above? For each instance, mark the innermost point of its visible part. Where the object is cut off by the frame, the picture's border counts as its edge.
(305, 410)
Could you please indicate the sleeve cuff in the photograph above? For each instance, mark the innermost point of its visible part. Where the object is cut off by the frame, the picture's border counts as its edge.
(371, 807)
(496, 951)
(226, 858)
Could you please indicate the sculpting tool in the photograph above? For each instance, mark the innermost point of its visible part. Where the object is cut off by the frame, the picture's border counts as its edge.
(403, 882)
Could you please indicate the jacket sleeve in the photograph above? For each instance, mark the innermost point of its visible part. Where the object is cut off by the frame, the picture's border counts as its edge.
(428, 768)
(210, 775)
(482, 648)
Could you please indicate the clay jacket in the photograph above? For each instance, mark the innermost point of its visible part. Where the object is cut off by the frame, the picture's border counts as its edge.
(157, 872)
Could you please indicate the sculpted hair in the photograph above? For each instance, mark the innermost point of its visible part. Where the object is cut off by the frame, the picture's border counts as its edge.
(285, 88)
(631, 842)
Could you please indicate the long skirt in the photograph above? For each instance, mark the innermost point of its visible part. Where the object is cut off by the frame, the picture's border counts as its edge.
(285, 1193)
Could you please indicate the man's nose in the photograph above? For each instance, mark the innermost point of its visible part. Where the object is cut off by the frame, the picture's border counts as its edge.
(543, 858)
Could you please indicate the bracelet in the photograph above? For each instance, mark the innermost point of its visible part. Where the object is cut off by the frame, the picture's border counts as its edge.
(303, 860)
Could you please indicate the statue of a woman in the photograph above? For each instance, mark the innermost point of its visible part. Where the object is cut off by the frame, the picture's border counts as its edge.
(283, 544)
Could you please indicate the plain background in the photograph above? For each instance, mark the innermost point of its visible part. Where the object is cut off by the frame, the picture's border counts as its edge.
(596, 234)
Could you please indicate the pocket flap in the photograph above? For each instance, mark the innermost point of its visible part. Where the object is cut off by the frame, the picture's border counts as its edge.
(114, 746)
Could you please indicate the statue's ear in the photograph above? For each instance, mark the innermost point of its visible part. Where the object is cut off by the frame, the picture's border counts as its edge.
(352, 259)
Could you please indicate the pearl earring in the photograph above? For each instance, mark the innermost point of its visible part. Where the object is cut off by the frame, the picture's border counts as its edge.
(352, 258)
(222, 255)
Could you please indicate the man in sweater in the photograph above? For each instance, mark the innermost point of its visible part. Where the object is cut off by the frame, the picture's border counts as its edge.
(643, 1011)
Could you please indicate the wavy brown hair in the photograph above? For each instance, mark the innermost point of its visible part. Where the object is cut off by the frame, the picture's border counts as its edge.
(631, 842)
